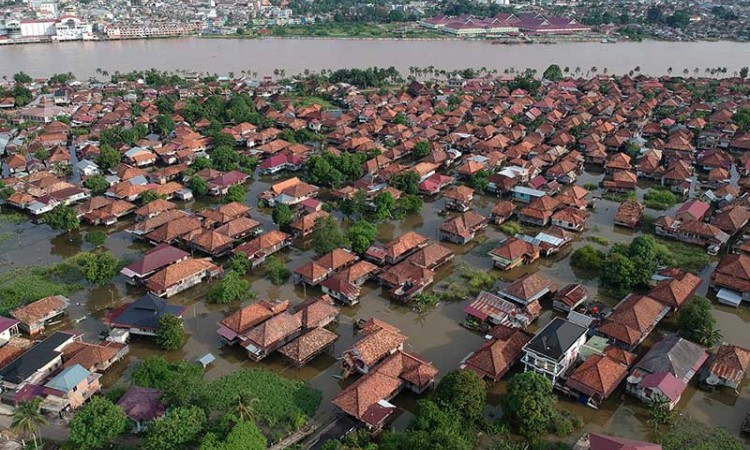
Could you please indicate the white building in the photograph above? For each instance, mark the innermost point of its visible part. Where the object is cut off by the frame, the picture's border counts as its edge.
(71, 28)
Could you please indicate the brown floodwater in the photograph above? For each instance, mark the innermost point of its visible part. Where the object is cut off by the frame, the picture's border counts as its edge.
(295, 55)
(436, 334)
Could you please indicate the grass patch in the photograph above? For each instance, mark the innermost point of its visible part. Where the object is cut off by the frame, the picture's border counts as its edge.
(12, 217)
(303, 102)
(27, 284)
(598, 240)
(684, 256)
(660, 199)
(468, 283)
(511, 228)
(484, 247)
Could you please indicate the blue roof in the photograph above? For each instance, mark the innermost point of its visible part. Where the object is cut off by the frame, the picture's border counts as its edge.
(69, 378)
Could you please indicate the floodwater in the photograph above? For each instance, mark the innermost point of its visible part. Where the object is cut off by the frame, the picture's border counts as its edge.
(295, 55)
(436, 334)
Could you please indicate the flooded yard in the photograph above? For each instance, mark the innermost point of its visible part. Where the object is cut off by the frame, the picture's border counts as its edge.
(435, 334)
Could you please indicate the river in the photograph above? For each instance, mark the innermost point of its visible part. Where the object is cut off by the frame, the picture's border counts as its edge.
(295, 55)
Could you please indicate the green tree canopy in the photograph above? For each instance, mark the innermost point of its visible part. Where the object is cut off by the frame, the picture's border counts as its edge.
(553, 73)
(529, 404)
(108, 157)
(96, 237)
(407, 182)
(99, 267)
(697, 323)
(281, 215)
(149, 196)
(232, 288)
(421, 149)
(22, 78)
(239, 263)
(170, 335)
(464, 392)
(198, 185)
(97, 183)
(63, 217)
(244, 435)
(276, 271)
(97, 424)
(361, 235)
(235, 193)
(328, 236)
(180, 428)
(588, 258)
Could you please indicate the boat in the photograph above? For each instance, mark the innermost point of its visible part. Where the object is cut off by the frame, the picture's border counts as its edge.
(608, 41)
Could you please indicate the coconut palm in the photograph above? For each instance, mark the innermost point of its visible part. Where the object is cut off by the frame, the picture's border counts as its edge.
(27, 418)
(245, 406)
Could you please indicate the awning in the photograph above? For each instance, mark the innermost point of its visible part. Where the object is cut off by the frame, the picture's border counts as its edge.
(729, 297)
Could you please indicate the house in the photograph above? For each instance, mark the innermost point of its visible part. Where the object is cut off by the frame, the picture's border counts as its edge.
(8, 330)
(528, 289)
(240, 228)
(311, 344)
(263, 246)
(502, 211)
(36, 363)
(573, 219)
(539, 211)
(272, 334)
(570, 297)
(596, 379)
(279, 162)
(732, 279)
(434, 184)
(368, 399)
(431, 257)
(345, 285)
(462, 229)
(221, 184)
(603, 442)
(488, 310)
(223, 214)
(405, 280)
(514, 252)
(380, 340)
(35, 316)
(458, 198)
(693, 210)
(94, 357)
(397, 249)
(665, 371)
(73, 386)
(691, 232)
(232, 328)
(289, 192)
(173, 230)
(152, 261)
(728, 366)
(554, 349)
(182, 275)
(142, 316)
(676, 290)
(305, 225)
(497, 355)
(142, 405)
(210, 242)
(632, 320)
(629, 214)
(322, 268)
(525, 194)
(623, 181)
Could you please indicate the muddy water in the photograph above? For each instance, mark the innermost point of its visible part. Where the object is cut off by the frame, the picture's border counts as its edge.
(296, 55)
(435, 334)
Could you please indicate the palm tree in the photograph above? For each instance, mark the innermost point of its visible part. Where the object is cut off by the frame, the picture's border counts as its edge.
(27, 418)
(245, 406)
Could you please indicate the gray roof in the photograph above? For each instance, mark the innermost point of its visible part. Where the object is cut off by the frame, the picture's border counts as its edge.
(556, 338)
(674, 355)
(38, 356)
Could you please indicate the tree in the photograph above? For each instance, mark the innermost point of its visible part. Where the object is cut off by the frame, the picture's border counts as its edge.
(686, 433)
(529, 404)
(697, 323)
(164, 124)
(281, 215)
(97, 424)
(245, 406)
(99, 267)
(400, 119)
(553, 73)
(22, 78)
(617, 273)
(408, 204)
(659, 411)
(201, 163)
(177, 430)
(96, 237)
(407, 182)
(421, 149)
(222, 139)
(384, 205)
(239, 264)
(235, 193)
(97, 183)
(743, 72)
(328, 236)
(276, 271)
(225, 158)
(170, 334)
(27, 418)
(433, 427)
(198, 185)
(231, 289)
(108, 158)
(181, 382)
(361, 235)
(149, 196)
(588, 258)
(63, 217)
(464, 392)
(244, 435)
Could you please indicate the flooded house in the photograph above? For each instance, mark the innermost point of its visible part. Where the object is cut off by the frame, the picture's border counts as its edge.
(632, 320)
(596, 379)
(182, 275)
(731, 279)
(34, 317)
(346, 285)
(487, 310)
(462, 229)
(142, 316)
(629, 214)
(263, 246)
(666, 370)
(528, 289)
(152, 261)
(502, 350)
(232, 328)
(397, 249)
(728, 366)
(142, 405)
(554, 349)
(514, 252)
(458, 198)
(379, 341)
